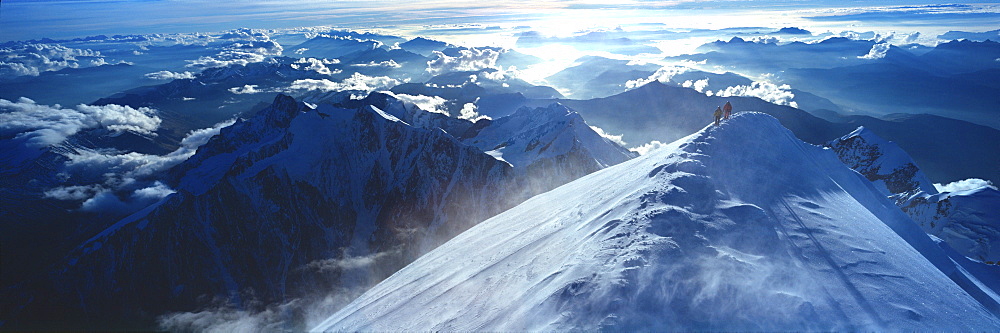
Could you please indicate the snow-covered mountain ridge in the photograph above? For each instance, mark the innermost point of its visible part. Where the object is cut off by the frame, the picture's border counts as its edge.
(265, 209)
(969, 221)
(692, 236)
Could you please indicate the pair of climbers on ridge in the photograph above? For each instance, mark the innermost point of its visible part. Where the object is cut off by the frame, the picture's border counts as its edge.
(726, 110)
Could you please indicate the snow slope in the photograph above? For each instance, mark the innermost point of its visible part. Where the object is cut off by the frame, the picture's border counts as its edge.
(737, 227)
(548, 146)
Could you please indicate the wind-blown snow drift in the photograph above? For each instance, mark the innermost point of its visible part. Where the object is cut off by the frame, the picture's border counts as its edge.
(739, 227)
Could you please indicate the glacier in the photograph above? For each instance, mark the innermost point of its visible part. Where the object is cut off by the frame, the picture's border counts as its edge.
(691, 236)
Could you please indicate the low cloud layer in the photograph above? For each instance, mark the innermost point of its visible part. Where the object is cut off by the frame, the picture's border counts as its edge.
(124, 182)
(240, 53)
(33, 59)
(472, 59)
(357, 81)
(663, 74)
(43, 125)
(168, 75)
(316, 65)
(777, 94)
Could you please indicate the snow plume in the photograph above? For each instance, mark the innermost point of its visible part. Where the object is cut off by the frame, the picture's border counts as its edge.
(296, 315)
(664, 74)
(426, 103)
(347, 262)
(357, 81)
(878, 51)
(470, 112)
(317, 65)
(168, 75)
(471, 59)
(649, 146)
(388, 64)
(43, 125)
(613, 138)
(777, 94)
(33, 59)
(964, 185)
(698, 86)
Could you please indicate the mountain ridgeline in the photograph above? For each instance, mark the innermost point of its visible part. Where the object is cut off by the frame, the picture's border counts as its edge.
(268, 210)
(691, 237)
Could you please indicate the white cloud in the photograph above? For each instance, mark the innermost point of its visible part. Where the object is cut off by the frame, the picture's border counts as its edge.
(964, 185)
(155, 192)
(123, 180)
(388, 63)
(426, 103)
(663, 74)
(317, 65)
(43, 125)
(912, 38)
(878, 51)
(765, 40)
(240, 53)
(121, 118)
(168, 75)
(613, 138)
(245, 33)
(265, 47)
(245, 89)
(470, 112)
(357, 81)
(78, 192)
(777, 94)
(698, 86)
(226, 59)
(649, 146)
(32, 59)
(472, 59)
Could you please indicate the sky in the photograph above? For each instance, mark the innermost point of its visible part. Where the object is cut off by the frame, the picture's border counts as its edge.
(60, 19)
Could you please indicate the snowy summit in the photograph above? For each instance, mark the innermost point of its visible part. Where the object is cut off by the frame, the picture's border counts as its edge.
(692, 236)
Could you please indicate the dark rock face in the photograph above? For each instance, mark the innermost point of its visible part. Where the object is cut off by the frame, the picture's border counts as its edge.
(865, 157)
(269, 196)
(297, 200)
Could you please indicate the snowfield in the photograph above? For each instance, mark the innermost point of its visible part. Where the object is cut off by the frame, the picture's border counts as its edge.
(736, 227)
